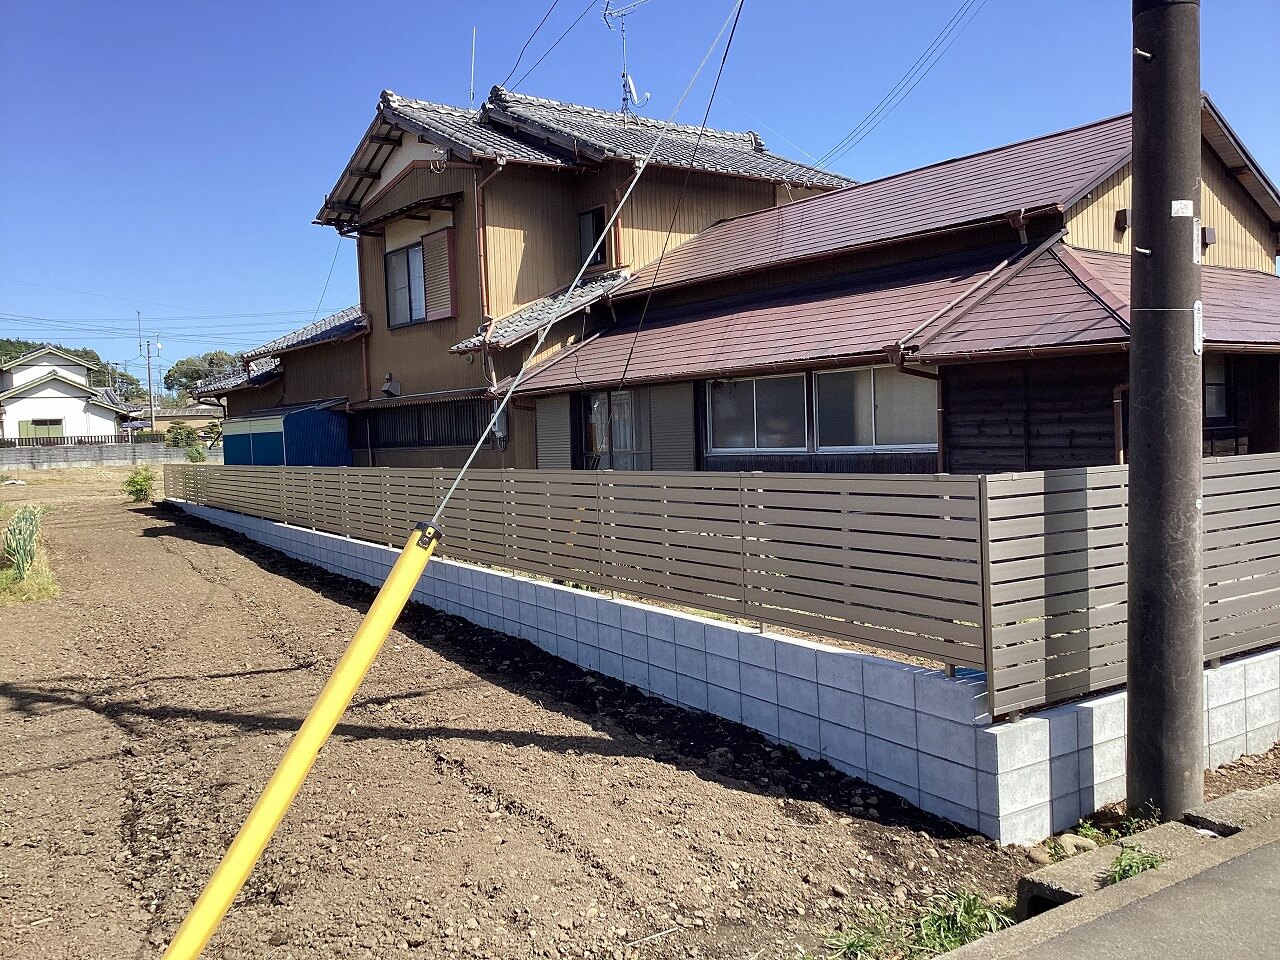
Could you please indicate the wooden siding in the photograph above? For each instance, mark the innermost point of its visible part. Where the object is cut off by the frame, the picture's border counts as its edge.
(323, 372)
(1031, 415)
(417, 183)
(708, 198)
(241, 403)
(554, 432)
(1245, 238)
(673, 441)
(532, 236)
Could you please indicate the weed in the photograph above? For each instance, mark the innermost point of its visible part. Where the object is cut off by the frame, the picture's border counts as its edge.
(1130, 862)
(1088, 831)
(868, 934)
(1136, 822)
(140, 483)
(196, 454)
(20, 535)
(949, 921)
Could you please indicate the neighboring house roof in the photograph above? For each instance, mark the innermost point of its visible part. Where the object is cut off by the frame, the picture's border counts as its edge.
(259, 372)
(194, 410)
(115, 400)
(40, 352)
(609, 133)
(530, 318)
(1041, 175)
(791, 327)
(92, 395)
(341, 325)
(517, 128)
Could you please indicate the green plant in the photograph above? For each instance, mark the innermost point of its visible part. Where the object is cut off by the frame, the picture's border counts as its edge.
(20, 536)
(949, 921)
(181, 434)
(1086, 829)
(868, 934)
(1130, 862)
(140, 483)
(1137, 822)
(195, 453)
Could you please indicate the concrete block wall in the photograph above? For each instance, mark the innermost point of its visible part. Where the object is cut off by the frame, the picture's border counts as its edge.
(95, 455)
(912, 731)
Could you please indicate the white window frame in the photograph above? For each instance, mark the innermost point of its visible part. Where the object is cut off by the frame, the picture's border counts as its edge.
(873, 447)
(756, 451)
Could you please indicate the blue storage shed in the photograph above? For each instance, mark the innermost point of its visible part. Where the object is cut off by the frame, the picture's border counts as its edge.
(303, 435)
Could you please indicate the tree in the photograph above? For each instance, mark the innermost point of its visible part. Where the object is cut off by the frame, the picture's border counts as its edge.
(181, 434)
(183, 376)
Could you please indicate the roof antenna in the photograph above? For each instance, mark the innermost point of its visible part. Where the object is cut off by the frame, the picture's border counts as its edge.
(472, 89)
(629, 95)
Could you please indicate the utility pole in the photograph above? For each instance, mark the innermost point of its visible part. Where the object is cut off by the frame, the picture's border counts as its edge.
(1165, 762)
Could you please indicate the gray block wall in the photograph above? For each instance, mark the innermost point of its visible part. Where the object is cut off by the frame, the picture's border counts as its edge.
(912, 731)
(95, 455)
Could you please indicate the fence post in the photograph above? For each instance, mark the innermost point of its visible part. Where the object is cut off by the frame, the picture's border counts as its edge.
(984, 573)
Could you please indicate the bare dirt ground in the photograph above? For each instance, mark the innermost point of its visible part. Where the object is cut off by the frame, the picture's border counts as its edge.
(482, 799)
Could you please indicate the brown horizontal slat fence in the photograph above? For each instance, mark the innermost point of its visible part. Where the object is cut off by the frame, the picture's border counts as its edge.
(1023, 575)
(1058, 554)
(889, 561)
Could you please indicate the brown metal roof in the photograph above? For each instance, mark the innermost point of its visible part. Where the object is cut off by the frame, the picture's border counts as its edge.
(1044, 173)
(797, 326)
(1071, 298)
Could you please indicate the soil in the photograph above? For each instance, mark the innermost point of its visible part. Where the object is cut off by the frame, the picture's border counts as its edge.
(481, 799)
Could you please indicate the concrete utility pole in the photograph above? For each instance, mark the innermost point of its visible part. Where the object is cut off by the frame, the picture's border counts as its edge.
(151, 394)
(1166, 637)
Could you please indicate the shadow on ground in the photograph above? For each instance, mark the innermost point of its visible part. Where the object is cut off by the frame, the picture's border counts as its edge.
(632, 724)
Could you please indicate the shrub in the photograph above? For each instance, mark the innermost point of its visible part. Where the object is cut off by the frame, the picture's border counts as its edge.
(1130, 862)
(140, 483)
(20, 535)
(181, 434)
(195, 453)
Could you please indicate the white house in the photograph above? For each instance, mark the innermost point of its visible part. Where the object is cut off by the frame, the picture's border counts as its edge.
(46, 393)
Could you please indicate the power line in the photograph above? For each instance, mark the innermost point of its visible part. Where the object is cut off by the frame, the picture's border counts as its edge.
(923, 65)
(567, 31)
(328, 276)
(529, 40)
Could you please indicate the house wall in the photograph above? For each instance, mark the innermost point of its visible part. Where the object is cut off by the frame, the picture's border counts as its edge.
(519, 452)
(34, 371)
(243, 402)
(1245, 238)
(59, 401)
(324, 372)
(531, 231)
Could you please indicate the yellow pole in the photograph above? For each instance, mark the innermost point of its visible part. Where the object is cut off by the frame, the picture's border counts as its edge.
(243, 854)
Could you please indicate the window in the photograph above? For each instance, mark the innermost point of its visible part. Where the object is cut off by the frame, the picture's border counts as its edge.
(590, 227)
(40, 428)
(446, 423)
(615, 430)
(875, 407)
(1216, 395)
(406, 300)
(764, 413)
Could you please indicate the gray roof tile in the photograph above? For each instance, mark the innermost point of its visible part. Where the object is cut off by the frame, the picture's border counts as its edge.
(526, 321)
(260, 372)
(467, 128)
(342, 324)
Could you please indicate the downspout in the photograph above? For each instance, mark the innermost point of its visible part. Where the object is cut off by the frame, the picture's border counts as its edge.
(364, 371)
(1117, 419)
(898, 358)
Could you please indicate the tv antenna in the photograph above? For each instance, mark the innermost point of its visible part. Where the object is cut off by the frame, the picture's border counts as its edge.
(611, 13)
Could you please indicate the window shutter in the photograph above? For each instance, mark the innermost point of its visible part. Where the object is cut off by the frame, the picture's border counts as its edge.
(553, 425)
(438, 266)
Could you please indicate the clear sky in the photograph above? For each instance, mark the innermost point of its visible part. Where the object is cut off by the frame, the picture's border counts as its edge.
(169, 156)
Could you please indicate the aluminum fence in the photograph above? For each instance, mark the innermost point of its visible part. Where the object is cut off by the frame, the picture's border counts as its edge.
(1020, 575)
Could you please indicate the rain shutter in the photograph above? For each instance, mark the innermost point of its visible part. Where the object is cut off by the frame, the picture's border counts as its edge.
(440, 273)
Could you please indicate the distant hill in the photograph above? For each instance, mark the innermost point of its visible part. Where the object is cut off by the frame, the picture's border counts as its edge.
(127, 385)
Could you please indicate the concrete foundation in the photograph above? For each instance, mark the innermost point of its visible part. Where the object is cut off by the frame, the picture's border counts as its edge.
(912, 731)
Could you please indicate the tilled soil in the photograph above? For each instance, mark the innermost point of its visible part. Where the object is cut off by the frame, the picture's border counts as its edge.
(482, 799)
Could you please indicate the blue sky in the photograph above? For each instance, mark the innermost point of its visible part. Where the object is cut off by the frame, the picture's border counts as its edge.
(169, 157)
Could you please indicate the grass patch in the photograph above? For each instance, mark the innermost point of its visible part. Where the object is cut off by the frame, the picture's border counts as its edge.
(942, 923)
(24, 567)
(1130, 862)
(1121, 826)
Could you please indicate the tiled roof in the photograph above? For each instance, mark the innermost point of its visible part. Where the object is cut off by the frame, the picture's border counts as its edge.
(260, 372)
(526, 321)
(853, 318)
(1038, 174)
(614, 134)
(469, 129)
(340, 325)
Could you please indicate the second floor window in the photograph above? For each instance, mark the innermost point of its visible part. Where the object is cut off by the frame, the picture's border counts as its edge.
(590, 227)
(406, 291)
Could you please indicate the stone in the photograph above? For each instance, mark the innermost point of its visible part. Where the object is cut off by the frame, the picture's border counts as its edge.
(1071, 844)
(1040, 856)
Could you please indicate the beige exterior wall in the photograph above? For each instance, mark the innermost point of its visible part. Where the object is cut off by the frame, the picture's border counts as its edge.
(531, 228)
(1245, 238)
(243, 402)
(324, 372)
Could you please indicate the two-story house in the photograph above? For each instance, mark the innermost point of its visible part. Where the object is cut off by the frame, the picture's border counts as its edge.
(968, 316)
(46, 394)
(469, 225)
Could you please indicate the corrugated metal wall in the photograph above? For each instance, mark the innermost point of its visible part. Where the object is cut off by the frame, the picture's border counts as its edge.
(672, 427)
(555, 427)
(1244, 235)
